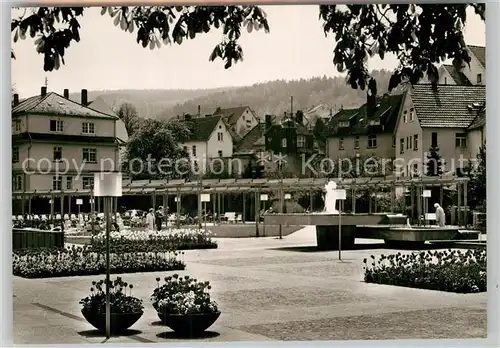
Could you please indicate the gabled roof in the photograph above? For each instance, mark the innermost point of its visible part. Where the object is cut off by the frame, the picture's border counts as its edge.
(448, 106)
(479, 121)
(480, 53)
(255, 137)
(386, 112)
(231, 115)
(121, 130)
(458, 77)
(202, 127)
(55, 104)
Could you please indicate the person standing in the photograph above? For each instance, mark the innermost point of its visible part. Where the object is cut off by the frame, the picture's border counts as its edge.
(159, 218)
(150, 220)
(440, 217)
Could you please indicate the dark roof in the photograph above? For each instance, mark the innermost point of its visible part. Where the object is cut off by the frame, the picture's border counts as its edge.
(458, 77)
(231, 115)
(55, 104)
(249, 141)
(480, 120)
(449, 106)
(21, 137)
(480, 53)
(202, 127)
(386, 112)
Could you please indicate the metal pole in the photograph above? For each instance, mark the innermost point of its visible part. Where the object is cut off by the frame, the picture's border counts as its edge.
(199, 204)
(340, 230)
(244, 207)
(178, 220)
(205, 215)
(257, 212)
(108, 305)
(465, 204)
(459, 210)
(281, 207)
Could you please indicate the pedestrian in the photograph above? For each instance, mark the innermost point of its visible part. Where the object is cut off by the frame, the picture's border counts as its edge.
(159, 218)
(150, 220)
(440, 217)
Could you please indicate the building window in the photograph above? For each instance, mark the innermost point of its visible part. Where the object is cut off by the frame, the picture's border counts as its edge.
(57, 183)
(220, 153)
(220, 136)
(69, 183)
(402, 145)
(434, 139)
(17, 126)
(341, 143)
(479, 79)
(57, 153)
(415, 142)
(87, 182)
(194, 150)
(89, 155)
(393, 141)
(412, 114)
(17, 183)
(461, 140)
(372, 140)
(301, 141)
(283, 142)
(196, 166)
(415, 169)
(445, 80)
(56, 126)
(405, 116)
(408, 143)
(15, 154)
(88, 128)
(356, 142)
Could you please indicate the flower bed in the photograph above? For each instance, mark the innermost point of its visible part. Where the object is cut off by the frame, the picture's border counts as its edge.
(83, 261)
(153, 241)
(452, 270)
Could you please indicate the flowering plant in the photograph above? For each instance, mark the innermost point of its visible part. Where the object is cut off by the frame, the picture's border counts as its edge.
(452, 270)
(183, 295)
(155, 241)
(120, 301)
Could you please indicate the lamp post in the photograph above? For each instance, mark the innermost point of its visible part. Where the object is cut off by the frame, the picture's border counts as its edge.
(426, 194)
(79, 202)
(341, 196)
(264, 197)
(205, 197)
(107, 185)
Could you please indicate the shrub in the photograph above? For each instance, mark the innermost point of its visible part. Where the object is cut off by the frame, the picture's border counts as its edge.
(452, 270)
(183, 295)
(120, 302)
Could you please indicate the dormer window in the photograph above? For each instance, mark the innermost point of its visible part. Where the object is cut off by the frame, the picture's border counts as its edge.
(283, 142)
(405, 116)
(344, 124)
(341, 143)
(479, 79)
(301, 141)
(412, 114)
(375, 123)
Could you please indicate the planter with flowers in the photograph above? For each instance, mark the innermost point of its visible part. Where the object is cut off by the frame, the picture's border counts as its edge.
(125, 308)
(184, 305)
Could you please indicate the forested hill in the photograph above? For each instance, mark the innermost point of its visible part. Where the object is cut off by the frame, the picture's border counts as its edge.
(274, 97)
(264, 98)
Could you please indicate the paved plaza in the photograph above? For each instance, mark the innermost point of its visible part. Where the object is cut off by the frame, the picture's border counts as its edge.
(267, 289)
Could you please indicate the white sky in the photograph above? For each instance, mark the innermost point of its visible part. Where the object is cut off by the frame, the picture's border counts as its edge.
(107, 58)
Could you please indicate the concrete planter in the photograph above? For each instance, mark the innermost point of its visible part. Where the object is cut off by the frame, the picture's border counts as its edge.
(189, 325)
(328, 237)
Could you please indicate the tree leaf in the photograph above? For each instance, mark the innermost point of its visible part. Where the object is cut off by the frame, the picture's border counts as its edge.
(123, 23)
(250, 27)
(117, 20)
(103, 10)
(16, 36)
(131, 26)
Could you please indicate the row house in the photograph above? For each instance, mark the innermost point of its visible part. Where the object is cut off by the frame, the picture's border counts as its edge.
(404, 128)
(58, 144)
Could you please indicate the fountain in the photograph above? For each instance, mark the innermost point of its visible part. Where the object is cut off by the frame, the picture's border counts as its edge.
(394, 229)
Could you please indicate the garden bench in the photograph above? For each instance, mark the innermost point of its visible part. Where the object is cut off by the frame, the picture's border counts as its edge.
(230, 217)
(430, 217)
(239, 218)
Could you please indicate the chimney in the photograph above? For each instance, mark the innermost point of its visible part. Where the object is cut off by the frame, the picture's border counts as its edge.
(187, 117)
(43, 91)
(199, 110)
(66, 93)
(84, 97)
(16, 99)
(268, 121)
(300, 117)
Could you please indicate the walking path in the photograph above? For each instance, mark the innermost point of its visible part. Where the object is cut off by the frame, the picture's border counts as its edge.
(267, 289)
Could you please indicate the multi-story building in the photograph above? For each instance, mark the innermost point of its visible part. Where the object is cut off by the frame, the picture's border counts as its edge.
(58, 144)
(210, 138)
(451, 118)
(239, 119)
(364, 132)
